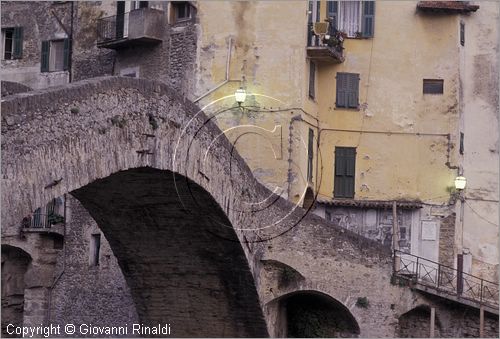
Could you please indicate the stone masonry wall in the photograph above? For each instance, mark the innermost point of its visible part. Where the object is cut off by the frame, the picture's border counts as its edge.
(87, 294)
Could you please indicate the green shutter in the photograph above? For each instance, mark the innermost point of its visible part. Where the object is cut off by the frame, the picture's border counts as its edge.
(66, 54)
(345, 171)
(312, 79)
(18, 43)
(45, 56)
(310, 154)
(341, 90)
(353, 90)
(333, 9)
(368, 19)
(318, 7)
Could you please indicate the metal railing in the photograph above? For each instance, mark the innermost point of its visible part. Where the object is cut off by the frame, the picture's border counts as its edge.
(445, 279)
(335, 40)
(112, 27)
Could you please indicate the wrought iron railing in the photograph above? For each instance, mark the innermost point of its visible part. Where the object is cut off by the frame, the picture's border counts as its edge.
(333, 39)
(112, 27)
(445, 279)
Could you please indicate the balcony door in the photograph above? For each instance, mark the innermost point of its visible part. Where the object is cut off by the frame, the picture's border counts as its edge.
(313, 16)
(120, 19)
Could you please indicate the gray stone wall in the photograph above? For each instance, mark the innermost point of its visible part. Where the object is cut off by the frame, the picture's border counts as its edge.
(49, 20)
(86, 293)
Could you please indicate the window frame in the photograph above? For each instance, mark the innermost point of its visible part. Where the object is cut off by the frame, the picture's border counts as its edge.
(338, 177)
(175, 9)
(366, 18)
(310, 155)
(16, 44)
(95, 249)
(430, 83)
(65, 55)
(312, 80)
(349, 79)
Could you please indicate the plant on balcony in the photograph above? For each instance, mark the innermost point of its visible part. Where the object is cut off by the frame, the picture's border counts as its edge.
(55, 218)
(335, 40)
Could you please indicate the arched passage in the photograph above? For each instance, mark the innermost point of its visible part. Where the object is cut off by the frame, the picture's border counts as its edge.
(312, 314)
(179, 272)
(15, 263)
(416, 323)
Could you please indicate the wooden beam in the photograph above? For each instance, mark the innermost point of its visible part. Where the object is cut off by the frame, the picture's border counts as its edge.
(395, 229)
(481, 322)
(433, 319)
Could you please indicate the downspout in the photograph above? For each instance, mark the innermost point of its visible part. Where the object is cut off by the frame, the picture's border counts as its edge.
(226, 80)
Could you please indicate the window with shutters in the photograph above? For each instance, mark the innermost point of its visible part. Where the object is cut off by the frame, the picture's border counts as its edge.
(355, 18)
(347, 95)
(310, 155)
(312, 79)
(12, 43)
(55, 55)
(345, 170)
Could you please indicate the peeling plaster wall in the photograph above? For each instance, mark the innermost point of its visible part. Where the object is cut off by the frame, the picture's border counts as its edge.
(479, 67)
(391, 67)
(268, 59)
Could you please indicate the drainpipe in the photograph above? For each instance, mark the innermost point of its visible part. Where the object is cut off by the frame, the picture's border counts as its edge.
(226, 80)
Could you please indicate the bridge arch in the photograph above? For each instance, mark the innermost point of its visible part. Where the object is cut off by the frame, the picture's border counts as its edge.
(311, 313)
(134, 153)
(121, 133)
(416, 323)
(15, 264)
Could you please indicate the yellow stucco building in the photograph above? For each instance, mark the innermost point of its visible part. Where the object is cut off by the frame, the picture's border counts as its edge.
(393, 115)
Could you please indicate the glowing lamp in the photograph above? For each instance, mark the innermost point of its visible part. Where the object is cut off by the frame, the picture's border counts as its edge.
(460, 183)
(240, 95)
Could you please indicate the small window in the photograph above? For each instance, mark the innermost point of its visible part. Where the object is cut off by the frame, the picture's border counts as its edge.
(55, 55)
(310, 155)
(139, 4)
(12, 43)
(462, 33)
(433, 86)
(345, 163)
(95, 248)
(347, 90)
(312, 79)
(182, 10)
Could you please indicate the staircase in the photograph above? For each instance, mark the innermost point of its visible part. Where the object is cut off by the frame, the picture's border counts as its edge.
(446, 282)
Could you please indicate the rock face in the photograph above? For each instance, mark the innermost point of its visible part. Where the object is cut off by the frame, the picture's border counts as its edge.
(195, 236)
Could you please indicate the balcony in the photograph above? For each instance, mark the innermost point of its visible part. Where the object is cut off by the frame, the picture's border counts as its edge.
(144, 26)
(451, 7)
(324, 43)
(446, 282)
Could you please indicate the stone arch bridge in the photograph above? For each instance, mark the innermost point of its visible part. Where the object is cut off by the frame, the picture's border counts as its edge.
(201, 243)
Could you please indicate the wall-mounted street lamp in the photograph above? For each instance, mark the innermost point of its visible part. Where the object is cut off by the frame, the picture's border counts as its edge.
(460, 183)
(240, 95)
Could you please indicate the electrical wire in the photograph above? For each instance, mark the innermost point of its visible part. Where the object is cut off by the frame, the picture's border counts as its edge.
(479, 215)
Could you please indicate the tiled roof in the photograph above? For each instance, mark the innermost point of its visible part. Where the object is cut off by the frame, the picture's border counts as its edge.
(370, 203)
